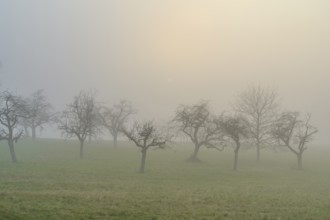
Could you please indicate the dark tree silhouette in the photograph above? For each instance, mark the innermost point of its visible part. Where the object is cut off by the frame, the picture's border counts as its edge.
(80, 119)
(146, 136)
(196, 122)
(235, 128)
(294, 133)
(113, 119)
(12, 109)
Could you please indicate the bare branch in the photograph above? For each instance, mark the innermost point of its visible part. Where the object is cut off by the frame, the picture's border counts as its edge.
(294, 133)
(197, 123)
(259, 105)
(12, 108)
(81, 117)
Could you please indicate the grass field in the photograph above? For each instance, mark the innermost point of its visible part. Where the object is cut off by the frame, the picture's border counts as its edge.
(50, 182)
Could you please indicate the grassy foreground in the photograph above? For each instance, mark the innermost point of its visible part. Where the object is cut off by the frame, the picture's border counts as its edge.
(50, 182)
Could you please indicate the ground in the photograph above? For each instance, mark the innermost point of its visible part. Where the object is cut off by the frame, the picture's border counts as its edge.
(50, 182)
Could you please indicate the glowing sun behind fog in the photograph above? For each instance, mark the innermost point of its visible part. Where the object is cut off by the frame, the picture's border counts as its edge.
(184, 38)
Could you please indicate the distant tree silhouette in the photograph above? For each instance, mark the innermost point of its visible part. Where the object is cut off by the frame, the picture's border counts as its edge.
(40, 112)
(294, 133)
(81, 118)
(146, 136)
(113, 119)
(12, 109)
(197, 123)
(259, 105)
(235, 128)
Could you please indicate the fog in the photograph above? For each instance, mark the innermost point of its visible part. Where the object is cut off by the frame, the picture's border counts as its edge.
(159, 54)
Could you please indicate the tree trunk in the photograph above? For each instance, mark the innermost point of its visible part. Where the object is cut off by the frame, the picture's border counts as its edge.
(238, 146)
(81, 149)
(115, 142)
(235, 160)
(258, 152)
(143, 160)
(34, 136)
(12, 151)
(258, 137)
(299, 157)
(193, 157)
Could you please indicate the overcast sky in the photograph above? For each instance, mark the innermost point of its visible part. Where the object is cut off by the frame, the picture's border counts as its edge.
(159, 54)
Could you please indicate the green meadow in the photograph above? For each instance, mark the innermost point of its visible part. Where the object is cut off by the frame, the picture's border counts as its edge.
(50, 182)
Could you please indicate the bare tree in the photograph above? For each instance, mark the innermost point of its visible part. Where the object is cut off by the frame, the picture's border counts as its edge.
(196, 122)
(80, 119)
(40, 112)
(235, 128)
(12, 109)
(146, 136)
(294, 133)
(260, 106)
(113, 119)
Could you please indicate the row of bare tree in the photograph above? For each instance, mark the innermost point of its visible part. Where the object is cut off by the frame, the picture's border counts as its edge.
(254, 123)
(255, 120)
(85, 118)
(82, 118)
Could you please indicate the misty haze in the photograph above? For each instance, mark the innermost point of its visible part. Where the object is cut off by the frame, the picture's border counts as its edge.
(176, 109)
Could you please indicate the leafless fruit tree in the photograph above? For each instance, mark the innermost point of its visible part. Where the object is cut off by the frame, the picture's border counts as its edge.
(196, 122)
(113, 119)
(259, 105)
(81, 118)
(294, 133)
(12, 109)
(40, 112)
(235, 128)
(146, 136)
